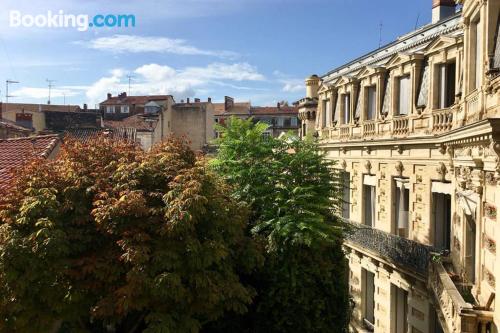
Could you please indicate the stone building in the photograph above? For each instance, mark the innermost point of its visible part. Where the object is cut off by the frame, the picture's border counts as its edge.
(415, 128)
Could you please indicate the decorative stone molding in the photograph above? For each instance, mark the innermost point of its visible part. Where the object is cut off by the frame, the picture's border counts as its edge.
(490, 178)
(343, 164)
(399, 149)
(489, 244)
(490, 211)
(489, 277)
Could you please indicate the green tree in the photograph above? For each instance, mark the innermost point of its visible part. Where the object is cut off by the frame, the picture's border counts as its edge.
(108, 237)
(293, 194)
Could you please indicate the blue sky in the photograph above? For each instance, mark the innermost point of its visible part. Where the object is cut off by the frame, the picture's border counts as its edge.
(257, 50)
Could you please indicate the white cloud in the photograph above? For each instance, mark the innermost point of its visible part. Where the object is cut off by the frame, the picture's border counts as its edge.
(161, 79)
(43, 93)
(291, 85)
(141, 44)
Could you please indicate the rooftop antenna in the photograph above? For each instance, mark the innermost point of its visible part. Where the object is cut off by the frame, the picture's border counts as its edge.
(7, 83)
(416, 23)
(130, 77)
(50, 82)
(380, 34)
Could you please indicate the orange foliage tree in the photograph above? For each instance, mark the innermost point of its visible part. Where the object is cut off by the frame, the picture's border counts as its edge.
(109, 237)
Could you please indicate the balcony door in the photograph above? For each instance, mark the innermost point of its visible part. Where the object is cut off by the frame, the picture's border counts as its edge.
(368, 279)
(441, 215)
(399, 310)
(369, 199)
(470, 248)
(401, 208)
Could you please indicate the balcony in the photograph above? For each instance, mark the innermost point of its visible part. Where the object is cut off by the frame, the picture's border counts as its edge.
(442, 120)
(400, 126)
(345, 132)
(368, 129)
(456, 314)
(400, 251)
(472, 108)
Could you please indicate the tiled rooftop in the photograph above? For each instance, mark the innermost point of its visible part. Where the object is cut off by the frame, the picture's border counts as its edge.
(137, 122)
(14, 153)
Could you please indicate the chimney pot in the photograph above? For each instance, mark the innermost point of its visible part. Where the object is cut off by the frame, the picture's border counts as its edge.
(109, 95)
(85, 107)
(187, 100)
(209, 100)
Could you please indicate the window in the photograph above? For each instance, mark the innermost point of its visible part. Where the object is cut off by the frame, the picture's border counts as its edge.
(402, 206)
(24, 120)
(326, 112)
(441, 212)
(346, 185)
(371, 101)
(403, 95)
(279, 122)
(124, 109)
(266, 135)
(477, 56)
(446, 92)
(368, 286)
(369, 196)
(294, 121)
(346, 101)
(288, 122)
(399, 309)
(304, 132)
(110, 109)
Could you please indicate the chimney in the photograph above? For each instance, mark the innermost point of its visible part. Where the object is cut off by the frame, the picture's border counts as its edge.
(109, 95)
(442, 9)
(278, 105)
(228, 103)
(197, 100)
(187, 100)
(209, 100)
(85, 107)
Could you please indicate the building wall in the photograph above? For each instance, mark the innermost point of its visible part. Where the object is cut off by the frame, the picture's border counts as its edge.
(452, 149)
(39, 124)
(191, 123)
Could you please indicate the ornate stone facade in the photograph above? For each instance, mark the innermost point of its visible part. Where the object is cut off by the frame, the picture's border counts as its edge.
(416, 128)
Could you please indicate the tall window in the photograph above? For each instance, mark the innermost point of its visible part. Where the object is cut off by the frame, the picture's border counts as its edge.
(346, 204)
(404, 94)
(446, 93)
(346, 99)
(327, 112)
(478, 54)
(371, 101)
(323, 116)
(399, 309)
(368, 280)
(402, 206)
(369, 198)
(441, 211)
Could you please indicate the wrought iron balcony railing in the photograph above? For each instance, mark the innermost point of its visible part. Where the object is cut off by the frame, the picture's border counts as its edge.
(412, 255)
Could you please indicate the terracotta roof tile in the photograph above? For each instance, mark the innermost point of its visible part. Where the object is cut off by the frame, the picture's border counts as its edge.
(274, 110)
(14, 153)
(39, 107)
(116, 100)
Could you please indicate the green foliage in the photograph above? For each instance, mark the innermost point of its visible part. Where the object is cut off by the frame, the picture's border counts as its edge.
(293, 193)
(106, 235)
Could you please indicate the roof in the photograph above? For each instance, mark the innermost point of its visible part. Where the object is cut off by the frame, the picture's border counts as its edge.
(88, 134)
(411, 42)
(138, 122)
(39, 107)
(238, 108)
(127, 100)
(12, 125)
(17, 152)
(274, 110)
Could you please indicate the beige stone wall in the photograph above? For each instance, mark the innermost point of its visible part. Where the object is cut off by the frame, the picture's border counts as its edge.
(38, 117)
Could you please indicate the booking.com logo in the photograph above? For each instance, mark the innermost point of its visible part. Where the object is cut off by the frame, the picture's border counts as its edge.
(81, 22)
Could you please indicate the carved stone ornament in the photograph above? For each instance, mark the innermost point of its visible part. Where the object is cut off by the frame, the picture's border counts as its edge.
(441, 170)
(343, 164)
(442, 149)
(399, 149)
(368, 166)
(399, 168)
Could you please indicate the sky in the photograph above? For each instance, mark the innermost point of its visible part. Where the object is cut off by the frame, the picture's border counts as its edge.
(253, 50)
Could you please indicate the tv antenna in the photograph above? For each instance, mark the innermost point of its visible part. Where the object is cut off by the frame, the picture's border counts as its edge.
(129, 77)
(416, 23)
(7, 83)
(50, 82)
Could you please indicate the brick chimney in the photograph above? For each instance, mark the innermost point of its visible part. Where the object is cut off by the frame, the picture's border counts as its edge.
(442, 9)
(187, 100)
(109, 95)
(209, 100)
(228, 103)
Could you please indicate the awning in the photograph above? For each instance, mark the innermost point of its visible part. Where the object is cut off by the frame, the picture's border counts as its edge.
(440, 187)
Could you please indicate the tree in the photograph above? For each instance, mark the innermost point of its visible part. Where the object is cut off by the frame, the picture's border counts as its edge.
(293, 194)
(108, 237)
